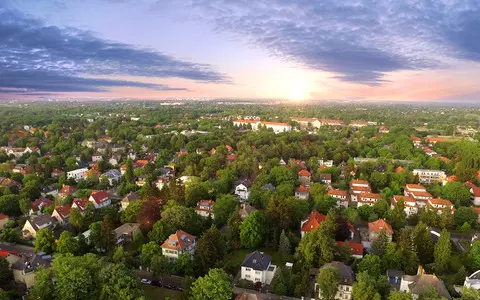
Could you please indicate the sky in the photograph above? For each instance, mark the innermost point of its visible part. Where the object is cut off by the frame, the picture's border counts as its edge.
(298, 50)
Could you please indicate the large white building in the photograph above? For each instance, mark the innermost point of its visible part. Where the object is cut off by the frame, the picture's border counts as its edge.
(255, 124)
(257, 267)
(77, 174)
(429, 176)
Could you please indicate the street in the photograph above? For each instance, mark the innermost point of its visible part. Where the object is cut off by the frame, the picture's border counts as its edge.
(20, 249)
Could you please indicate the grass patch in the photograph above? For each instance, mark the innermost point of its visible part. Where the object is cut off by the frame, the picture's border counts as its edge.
(152, 293)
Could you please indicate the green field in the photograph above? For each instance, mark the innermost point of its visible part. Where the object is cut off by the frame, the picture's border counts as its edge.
(157, 293)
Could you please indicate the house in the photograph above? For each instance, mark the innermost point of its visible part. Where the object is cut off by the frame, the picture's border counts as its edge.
(77, 174)
(80, 203)
(327, 163)
(34, 224)
(257, 267)
(24, 269)
(96, 157)
(417, 284)
(124, 233)
(302, 193)
(439, 205)
(429, 176)
(49, 191)
(395, 277)
(411, 206)
(3, 220)
(10, 183)
(241, 188)
(358, 124)
(161, 182)
(304, 177)
(62, 214)
(205, 208)
(341, 197)
(418, 193)
(473, 281)
(474, 193)
(276, 126)
(357, 187)
(311, 223)
(66, 191)
(129, 198)
(245, 210)
(328, 122)
(113, 176)
(377, 227)
(39, 205)
(326, 178)
(429, 151)
(433, 140)
(253, 123)
(346, 279)
(475, 209)
(383, 129)
(417, 142)
(100, 199)
(178, 243)
(57, 173)
(10, 256)
(268, 187)
(368, 199)
(357, 248)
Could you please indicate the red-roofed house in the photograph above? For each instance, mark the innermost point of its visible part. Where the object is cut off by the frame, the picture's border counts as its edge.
(80, 203)
(477, 211)
(231, 157)
(40, 204)
(416, 141)
(368, 199)
(440, 204)
(100, 199)
(375, 228)
(357, 248)
(302, 192)
(474, 193)
(65, 191)
(178, 243)
(433, 140)
(411, 206)
(314, 219)
(205, 208)
(341, 196)
(304, 177)
(62, 214)
(357, 187)
(3, 220)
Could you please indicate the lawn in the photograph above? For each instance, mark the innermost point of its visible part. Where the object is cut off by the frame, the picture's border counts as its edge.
(154, 293)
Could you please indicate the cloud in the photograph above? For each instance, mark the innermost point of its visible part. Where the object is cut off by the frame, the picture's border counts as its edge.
(360, 41)
(48, 58)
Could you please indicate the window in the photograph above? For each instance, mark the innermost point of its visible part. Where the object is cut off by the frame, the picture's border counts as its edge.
(248, 269)
(257, 279)
(257, 272)
(247, 276)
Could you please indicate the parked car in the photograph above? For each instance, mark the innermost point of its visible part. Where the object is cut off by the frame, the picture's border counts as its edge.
(146, 281)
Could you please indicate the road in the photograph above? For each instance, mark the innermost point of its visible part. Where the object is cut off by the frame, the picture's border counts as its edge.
(174, 281)
(20, 249)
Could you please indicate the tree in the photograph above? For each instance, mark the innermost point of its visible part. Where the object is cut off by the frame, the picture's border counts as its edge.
(25, 205)
(160, 265)
(223, 208)
(67, 243)
(365, 288)
(365, 212)
(118, 282)
(119, 255)
(393, 257)
(45, 241)
(328, 282)
(430, 293)
(379, 245)
(371, 265)
(442, 252)
(465, 215)
(397, 295)
(215, 285)
(10, 235)
(5, 272)
(9, 205)
(44, 289)
(284, 246)
(252, 230)
(326, 240)
(209, 250)
(470, 294)
(131, 212)
(456, 192)
(4, 295)
(474, 255)
(381, 207)
(129, 177)
(397, 216)
(149, 214)
(76, 219)
(138, 238)
(423, 244)
(149, 250)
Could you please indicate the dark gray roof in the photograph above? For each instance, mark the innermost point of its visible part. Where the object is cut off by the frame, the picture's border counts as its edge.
(395, 273)
(132, 196)
(269, 186)
(40, 259)
(39, 221)
(257, 261)
(243, 181)
(345, 273)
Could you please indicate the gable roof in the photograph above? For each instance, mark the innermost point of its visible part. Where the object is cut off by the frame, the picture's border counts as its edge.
(67, 189)
(475, 189)
(40, 220)
(337, 193)
(379, 226)
(81, 203)
(304, 173)
(314, 219)
(99, 196)
(39, 203)
(257, 261)
(345, 273)
(63, 211)
(302, 189)
(132, 196)
(424, 281)
(357, 248)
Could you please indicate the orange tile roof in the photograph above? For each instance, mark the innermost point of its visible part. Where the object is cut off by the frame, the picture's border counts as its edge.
(67, 189)
(439, 201)
(435, 139)
(180, 240)
(81, 203)
(338, 193)
(357, 248)
(314, 219)
(415, 187)
(99, 196)
(399, 170)
(302, 189)
(476, 209)
(63, 211)
(304, 119)
(475, 189)
(304, 173)
(359, 182)
(2, 216)
(397, 198)
(379, 226)
(246, 121)
(421, 194)
(275, 123)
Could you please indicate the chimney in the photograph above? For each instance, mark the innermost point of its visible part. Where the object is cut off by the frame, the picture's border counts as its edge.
(420, 270)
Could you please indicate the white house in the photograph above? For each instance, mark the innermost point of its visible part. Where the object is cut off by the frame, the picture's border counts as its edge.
(77, 174)
(368, 199)
(62, 214)
(429, 176)
(257, 267)
(440, 204)
(346, 280)
(113, 176)
(411, 206)
(302, 193)
(275, 126)
(205, 208)
(474, 193)
(357, 187)
(178, 243)
(96, 157)
(327, 163)
(34, 224)
(340, 196)
(100, 199)
(241, 188)
(473, 281)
